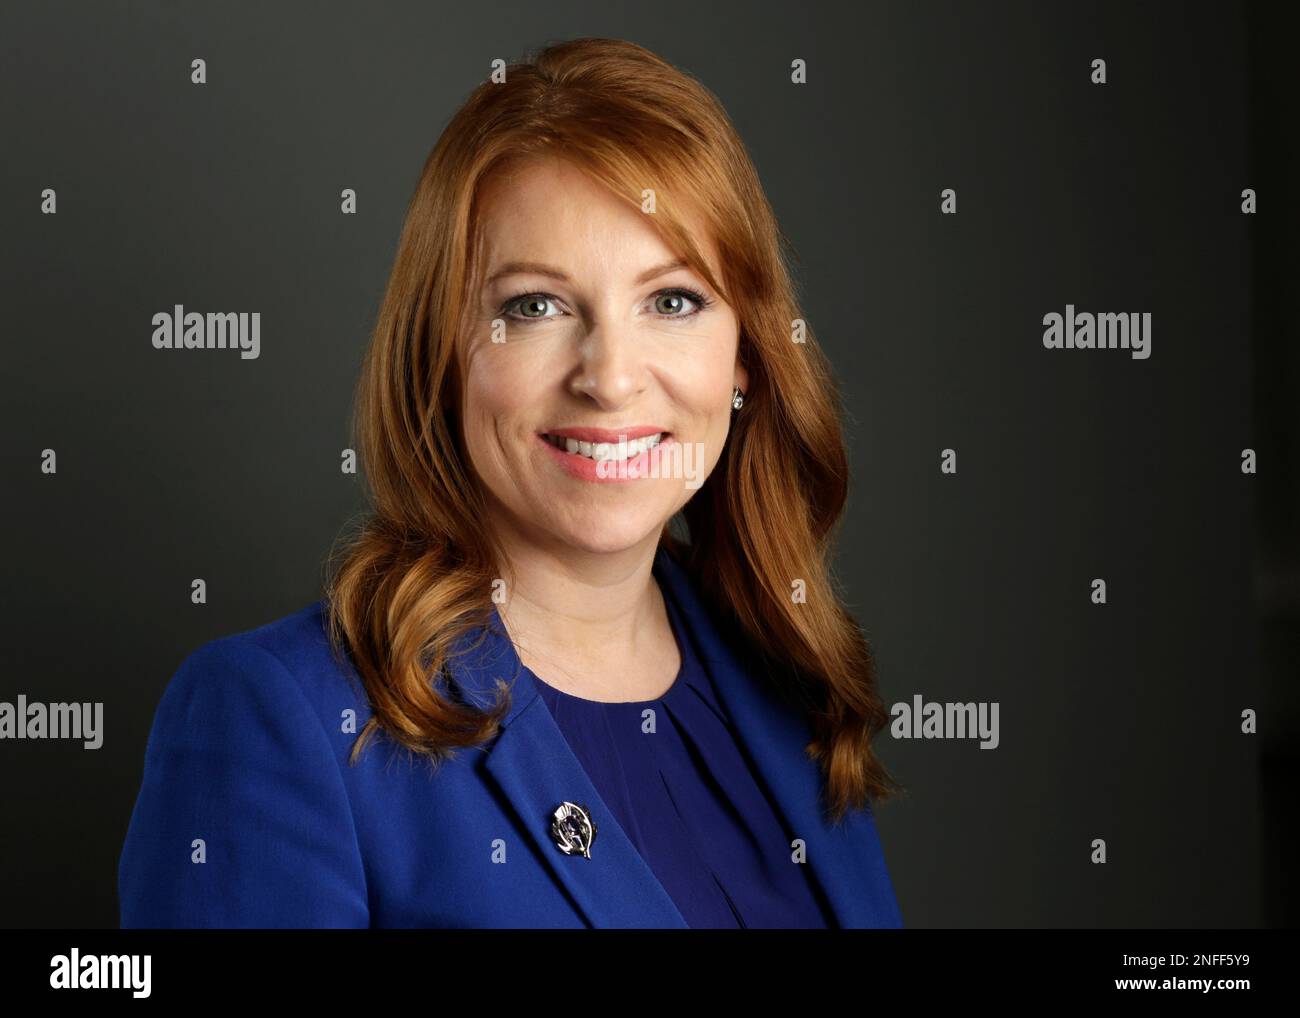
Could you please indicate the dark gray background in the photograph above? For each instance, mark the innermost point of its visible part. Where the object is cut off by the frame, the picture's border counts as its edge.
(1119, 722)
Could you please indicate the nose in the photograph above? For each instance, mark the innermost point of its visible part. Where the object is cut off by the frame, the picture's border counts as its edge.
(611, 367)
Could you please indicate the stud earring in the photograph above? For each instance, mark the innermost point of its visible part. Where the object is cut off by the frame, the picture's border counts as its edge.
(737, 399)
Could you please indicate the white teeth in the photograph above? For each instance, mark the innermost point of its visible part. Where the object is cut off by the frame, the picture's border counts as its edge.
(607, 451)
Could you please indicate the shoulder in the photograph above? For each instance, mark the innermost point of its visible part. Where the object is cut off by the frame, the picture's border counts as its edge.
(297, 642)
(284, 664)
(243, 817)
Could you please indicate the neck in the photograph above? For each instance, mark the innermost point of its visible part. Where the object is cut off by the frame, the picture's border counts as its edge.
(582, 611)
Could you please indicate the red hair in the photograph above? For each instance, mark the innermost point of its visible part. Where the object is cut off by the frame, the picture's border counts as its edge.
(419, 574)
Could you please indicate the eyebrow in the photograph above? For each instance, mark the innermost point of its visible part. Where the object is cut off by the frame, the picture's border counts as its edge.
(538, 269)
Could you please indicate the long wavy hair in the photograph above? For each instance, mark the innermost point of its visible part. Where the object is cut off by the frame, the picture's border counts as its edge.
(418, 575)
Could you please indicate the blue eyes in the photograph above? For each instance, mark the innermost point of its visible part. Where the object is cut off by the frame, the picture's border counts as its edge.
(668, 304)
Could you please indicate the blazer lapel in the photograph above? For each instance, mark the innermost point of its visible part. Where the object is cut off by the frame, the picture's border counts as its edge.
(847, 860)
(534, 768)
(531, 763)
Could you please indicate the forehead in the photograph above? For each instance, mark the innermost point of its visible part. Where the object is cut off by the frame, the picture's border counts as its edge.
(547, 209)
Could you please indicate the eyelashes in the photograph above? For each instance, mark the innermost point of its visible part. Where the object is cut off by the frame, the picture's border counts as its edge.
(701, 302)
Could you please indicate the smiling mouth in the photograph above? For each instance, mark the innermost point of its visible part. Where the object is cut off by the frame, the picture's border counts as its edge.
(606, 451)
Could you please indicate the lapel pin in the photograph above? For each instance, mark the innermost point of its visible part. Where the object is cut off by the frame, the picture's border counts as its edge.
(573, 829)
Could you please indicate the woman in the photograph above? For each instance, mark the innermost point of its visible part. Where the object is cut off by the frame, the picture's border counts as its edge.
(592, 605)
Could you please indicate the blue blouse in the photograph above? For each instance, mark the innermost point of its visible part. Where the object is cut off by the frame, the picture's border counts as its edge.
(687, 799)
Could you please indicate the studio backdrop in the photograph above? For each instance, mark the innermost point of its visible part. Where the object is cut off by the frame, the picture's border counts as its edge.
(1043, 245)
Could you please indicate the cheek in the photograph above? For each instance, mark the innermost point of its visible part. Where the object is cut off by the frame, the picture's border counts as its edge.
(700, 379)
(505, 385)
(703, 386)
(705, 358)
(499, 385)
(488, 401)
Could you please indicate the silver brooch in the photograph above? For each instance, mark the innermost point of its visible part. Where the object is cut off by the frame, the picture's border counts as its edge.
(573, 829)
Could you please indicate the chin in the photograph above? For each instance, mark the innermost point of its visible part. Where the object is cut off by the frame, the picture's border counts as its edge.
(603, 537)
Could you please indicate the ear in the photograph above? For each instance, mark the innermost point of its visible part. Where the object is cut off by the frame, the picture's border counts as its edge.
(741, 376)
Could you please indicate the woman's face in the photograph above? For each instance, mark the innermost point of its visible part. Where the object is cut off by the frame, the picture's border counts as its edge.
(584, 333)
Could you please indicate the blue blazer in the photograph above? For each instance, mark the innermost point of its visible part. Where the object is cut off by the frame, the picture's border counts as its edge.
(249, 814)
